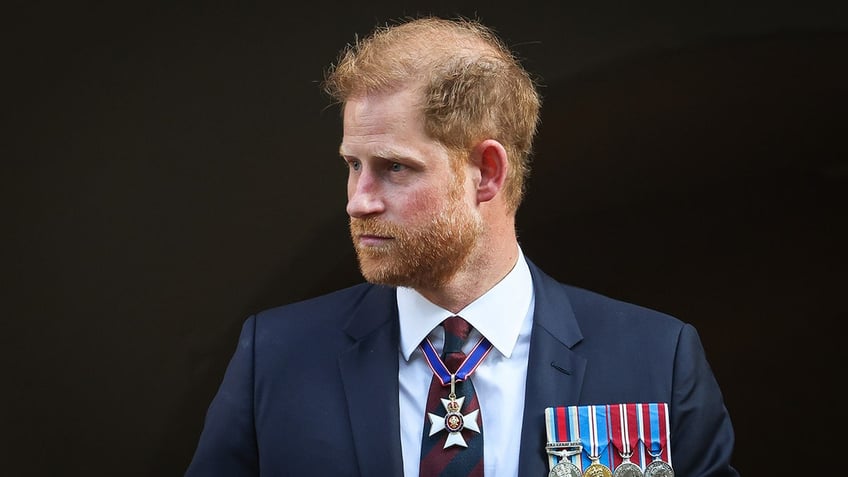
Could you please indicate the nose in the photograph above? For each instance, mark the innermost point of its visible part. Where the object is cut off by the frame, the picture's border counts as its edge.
(363, 196)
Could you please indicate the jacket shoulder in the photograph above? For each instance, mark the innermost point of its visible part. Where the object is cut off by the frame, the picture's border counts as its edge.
(588, 305)
(332, 309)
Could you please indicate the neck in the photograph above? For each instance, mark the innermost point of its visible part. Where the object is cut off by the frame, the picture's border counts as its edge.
(492, 259)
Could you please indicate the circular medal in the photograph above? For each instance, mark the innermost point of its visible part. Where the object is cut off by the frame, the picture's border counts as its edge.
(454, 422)
(628, 469)
(659, 468)
(565, 469)
(597, 470)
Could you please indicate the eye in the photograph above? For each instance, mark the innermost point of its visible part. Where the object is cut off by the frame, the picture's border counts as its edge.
(397, 167)
(354, 164)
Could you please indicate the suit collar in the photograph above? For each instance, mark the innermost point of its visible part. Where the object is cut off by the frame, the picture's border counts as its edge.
(369, 371)
(554, 313)
(554, 372)
(376, 307)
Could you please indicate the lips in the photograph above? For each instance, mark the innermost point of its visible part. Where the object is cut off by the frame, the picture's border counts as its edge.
(368, 240)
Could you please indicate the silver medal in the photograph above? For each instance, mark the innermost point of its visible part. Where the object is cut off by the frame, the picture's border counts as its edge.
(659, 468)
(565, 469)
(627, 469)
(564, 450)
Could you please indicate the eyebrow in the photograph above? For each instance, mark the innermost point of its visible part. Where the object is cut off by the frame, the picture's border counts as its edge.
(387, 154)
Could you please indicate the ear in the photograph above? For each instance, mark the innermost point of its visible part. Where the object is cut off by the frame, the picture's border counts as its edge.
(491, 159)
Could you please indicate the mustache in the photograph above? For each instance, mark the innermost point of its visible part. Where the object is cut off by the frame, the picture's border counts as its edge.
(373, 226)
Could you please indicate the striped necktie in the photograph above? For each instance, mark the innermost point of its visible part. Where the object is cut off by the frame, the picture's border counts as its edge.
(452, 442)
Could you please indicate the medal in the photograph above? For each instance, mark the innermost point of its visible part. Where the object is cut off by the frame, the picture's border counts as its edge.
(564, 447)
(454, 422)
(564, 450)
(654, 432)
(659, 468)
(593, 435)
(627, 469)
(565, 469)
(624, 430)
(596, 469)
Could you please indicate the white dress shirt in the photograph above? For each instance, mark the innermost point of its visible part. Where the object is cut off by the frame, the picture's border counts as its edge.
(504, 315)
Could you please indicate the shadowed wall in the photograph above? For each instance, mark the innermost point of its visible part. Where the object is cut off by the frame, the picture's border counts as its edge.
(173, 169)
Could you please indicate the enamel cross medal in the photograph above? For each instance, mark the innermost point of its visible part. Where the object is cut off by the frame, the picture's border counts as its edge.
(454, 421)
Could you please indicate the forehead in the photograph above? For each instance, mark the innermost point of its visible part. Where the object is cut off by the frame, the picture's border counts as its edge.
(400, 107)
(386, 120)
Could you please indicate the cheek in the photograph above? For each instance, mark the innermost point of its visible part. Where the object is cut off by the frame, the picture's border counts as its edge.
(420, 204)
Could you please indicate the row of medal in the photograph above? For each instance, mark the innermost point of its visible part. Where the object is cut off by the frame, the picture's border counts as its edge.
(611, 440)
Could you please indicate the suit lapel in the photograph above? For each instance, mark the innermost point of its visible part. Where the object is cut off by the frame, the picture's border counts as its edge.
(369, 371)
(554, 372)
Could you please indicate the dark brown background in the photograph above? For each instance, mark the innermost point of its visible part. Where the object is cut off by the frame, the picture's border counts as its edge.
(170, 168)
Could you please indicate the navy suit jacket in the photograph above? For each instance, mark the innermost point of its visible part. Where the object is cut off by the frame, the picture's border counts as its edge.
(312, 388)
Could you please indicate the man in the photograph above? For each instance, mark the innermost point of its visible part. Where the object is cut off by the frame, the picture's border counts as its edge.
(439, 120)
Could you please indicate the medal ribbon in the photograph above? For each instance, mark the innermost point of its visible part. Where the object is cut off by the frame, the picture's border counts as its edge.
(654, 431)
(563, 425)
(624, 432)
(466, 369)
(594, 433)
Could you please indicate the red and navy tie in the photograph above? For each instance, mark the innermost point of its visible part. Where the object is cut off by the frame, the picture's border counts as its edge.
(453, 460)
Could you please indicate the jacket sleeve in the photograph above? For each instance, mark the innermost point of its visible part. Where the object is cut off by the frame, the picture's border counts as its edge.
(702, 434)
(227, 445)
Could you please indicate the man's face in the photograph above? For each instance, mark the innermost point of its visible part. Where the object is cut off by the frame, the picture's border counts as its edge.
(412, 219)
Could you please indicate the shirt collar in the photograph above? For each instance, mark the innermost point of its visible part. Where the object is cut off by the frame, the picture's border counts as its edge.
(497, 314)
